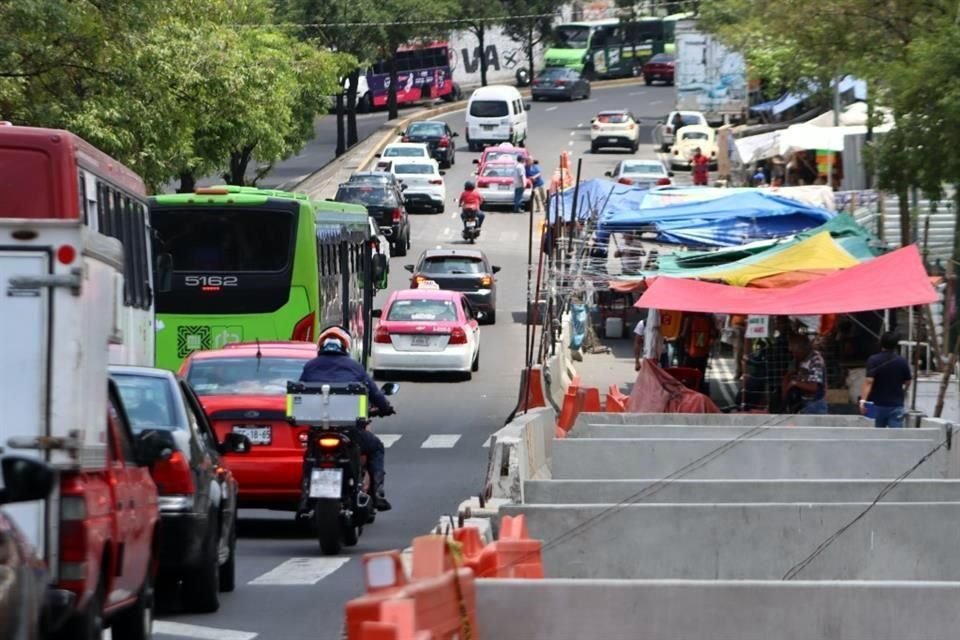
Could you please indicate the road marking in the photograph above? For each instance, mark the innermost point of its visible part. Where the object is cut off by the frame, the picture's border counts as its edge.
(301, 571)
(579, 124)
(389, 438)
(441, 441)
(447, 232)
(573, 133)
(551, 109)
(196, 631)
(656, 102)
(570, 143)
(637, 93)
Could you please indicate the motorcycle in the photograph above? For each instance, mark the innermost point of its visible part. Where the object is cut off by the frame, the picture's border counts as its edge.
(336, 485)
(471, 228)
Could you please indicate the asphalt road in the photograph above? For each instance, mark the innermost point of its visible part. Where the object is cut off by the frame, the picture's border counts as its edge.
(436, 457)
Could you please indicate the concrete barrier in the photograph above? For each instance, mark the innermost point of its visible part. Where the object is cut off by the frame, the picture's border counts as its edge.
(893, 541)
(754, 458)
(738, 491)
(558, 369)
(727, 419)
(520, 451)
(716, 610)
(583, 431)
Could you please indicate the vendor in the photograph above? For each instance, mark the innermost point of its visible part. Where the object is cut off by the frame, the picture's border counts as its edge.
(805, 386)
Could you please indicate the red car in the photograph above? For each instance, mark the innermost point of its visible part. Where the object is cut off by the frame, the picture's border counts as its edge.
(502, 152)
(243, 390)
(659, 67)
(495, 183)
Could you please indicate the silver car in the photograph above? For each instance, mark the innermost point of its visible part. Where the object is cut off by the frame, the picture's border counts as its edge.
(646, 174)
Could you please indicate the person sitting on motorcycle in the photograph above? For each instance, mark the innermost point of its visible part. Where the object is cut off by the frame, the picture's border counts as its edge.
(333, 364)
(471, 200)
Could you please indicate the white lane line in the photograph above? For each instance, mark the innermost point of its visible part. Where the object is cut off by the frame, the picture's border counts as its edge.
(441, 441)
(551, 108)
(447, 232)
(300, 571)
(201, 633)
(570, 143)
(637, 93)
(573, 133)
(579, 124)
(656, 102)
(389, 439)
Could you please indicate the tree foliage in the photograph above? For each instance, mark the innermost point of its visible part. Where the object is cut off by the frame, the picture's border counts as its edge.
(477, 17)
(531, 32)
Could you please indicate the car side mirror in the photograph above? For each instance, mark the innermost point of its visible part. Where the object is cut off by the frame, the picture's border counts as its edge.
(378, 155)
(609, 174)
(408, 267)
(154, 445)
(235, 443)
(164, 272)
(526, 106)
(476, 161)
(670, 173)
(454, 135)
(379, 266)
(495, 269)
(390, 389)
(443, 173)
(25, 479)
(376, 313)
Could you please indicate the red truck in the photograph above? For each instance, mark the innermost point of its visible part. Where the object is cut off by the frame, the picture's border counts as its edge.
(61, 287)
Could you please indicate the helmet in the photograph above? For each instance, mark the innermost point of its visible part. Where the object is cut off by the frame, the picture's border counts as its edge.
(334, 339)
(468, 185)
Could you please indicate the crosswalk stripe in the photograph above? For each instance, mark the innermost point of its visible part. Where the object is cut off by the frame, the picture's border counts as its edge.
(441, 441)
(300, 571)
(180, 630)
(389, 438)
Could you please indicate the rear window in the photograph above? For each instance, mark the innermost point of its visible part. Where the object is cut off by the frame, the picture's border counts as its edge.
(642, 167)
(613, 118)
(423, 310)
(661, 58)
(499, 155)
(426, 129)
(553, 73)
(489, 108)
(413, 168)
(217, 240)
(453, 265)
(244, 376)
(148, 401)
(404, 152)
(695, 135)
(498, 171)
(370, 179)
(370, 195)
(688, 119)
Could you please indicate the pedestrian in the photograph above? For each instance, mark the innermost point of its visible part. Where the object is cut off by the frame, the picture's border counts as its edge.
(647, 341)
(700, 166)
(535, 175)
(699, 331)
(519, 182)
(888, 374)
(805, 386)
(759, 178)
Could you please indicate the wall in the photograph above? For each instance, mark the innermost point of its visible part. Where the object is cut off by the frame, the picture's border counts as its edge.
(504, 57)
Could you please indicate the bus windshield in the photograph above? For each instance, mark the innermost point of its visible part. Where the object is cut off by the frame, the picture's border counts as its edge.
(571, 37)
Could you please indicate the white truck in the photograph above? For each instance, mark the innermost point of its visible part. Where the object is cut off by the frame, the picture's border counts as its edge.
(61, 306)
(709, 77)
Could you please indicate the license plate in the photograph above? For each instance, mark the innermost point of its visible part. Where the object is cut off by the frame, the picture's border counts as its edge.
(258, 434)
(612, 139)
(326, 483)
(420, 341)
(470, 225)
(504, 187)
(489, 127)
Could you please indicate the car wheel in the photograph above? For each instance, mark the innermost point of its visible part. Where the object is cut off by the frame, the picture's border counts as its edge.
(441, 208)
(228, 572)
(647, 81)
(399, 249)
(136, 622)
(201, 585)
(491, 317)
(593, 148)
(476, 362)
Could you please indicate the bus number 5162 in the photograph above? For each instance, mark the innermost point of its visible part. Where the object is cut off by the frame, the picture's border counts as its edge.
(210, 281)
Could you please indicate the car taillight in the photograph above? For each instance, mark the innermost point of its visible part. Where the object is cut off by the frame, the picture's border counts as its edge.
(458, 336)
(436, 182)
(625, 181)
(173, 475)
(482, 183)
(444, 141)
(73, 537)
(329, 443)
(631, 126)
(669, 129)
(511, 130)
(663, 181)
(303, 330)
(561, 83)
(596, 127)
(405, 139)
(381, 336)
(396, 214)
(486, 281)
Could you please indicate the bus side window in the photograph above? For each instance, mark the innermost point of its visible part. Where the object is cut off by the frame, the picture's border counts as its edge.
(103, 208)
(140, 261)
(322, 259)
(82, 194)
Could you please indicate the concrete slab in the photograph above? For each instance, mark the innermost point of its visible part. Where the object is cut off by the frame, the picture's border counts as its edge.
(599, 459)
(725, 419)
(726, 491)
(717, 610)
(729, 432)
(893, 541)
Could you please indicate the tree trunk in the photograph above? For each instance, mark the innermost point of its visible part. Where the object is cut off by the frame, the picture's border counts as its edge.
(530, 47)
(480, 31)
(341, 141)
(352, 136)
(238, 166)
(903, 200)
(393, 112)
(188, 182)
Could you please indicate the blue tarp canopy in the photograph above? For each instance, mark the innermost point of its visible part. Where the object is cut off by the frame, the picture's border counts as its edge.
(720, 222)
(593, 196)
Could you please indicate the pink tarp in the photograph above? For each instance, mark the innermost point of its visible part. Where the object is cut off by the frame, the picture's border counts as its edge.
(897, 279)
(656, 391)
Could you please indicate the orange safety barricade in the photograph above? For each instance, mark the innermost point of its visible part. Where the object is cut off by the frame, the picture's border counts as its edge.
(591, 400)
(572, 405)
(534, 388)
(513, 555)
(616, 400)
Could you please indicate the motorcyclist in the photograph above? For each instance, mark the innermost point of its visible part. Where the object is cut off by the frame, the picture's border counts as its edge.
(471, 200)
(334, 364)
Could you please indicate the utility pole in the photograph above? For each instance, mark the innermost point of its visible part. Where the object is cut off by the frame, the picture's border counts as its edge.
(341, 140)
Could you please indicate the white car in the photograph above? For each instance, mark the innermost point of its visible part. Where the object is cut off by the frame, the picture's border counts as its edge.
(678, 120)
(401, 151)
(617, 128)
(423, 182)
(646, 174)
(690, 138)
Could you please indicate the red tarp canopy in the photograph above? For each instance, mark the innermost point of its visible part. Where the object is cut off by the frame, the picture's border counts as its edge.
(656, 391)
(897, 279)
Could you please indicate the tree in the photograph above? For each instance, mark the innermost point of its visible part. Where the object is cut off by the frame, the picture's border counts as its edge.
(531, 31)
(477, 17)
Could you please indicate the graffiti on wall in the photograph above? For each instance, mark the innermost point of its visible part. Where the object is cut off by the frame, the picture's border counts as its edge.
(502, 54)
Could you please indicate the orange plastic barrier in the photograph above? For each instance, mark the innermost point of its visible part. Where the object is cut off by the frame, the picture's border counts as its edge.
(513, 555)
(576, 401)
(535, 398)
(591, 400)
(616, 400)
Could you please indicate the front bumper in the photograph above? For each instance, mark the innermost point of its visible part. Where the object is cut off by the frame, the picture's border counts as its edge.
(422, 198)
(452, 358)
(501, 196)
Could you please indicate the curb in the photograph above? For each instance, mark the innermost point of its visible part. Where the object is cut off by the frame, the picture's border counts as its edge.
(390, 127)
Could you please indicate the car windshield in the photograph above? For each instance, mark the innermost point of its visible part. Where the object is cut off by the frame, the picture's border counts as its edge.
(426, 129)
(404, 152)
(148, 401)
(489, 108)
(413, 168)
(454, 265)
(642, 167)
(372, 195)
(498, 171)
(244, 376)
(423, 309)
(571, 37)
(613, 118)
(695, 135)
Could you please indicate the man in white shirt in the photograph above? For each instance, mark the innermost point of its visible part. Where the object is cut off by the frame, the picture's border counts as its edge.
(647, 341)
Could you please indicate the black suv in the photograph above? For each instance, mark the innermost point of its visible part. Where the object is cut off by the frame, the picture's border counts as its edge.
(438, 136)
(465, 270)
(385, 204)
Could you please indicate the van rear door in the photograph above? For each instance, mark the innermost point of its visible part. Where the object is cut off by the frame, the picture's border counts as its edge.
(490, 119)
(24, 378)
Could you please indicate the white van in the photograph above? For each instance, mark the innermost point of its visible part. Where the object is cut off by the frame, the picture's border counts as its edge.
(496, 114)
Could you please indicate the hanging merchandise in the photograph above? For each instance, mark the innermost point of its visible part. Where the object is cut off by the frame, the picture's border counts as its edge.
(578, 320)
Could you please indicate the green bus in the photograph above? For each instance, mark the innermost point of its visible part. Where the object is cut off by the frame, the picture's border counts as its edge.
(238, 264)
(612, 48)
